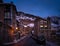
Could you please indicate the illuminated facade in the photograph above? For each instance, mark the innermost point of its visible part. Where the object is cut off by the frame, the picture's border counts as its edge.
(43, 26)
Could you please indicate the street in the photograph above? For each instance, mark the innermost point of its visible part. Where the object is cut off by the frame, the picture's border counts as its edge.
(28, 41)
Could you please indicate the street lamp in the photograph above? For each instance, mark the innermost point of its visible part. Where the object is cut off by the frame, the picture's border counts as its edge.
(16, 28)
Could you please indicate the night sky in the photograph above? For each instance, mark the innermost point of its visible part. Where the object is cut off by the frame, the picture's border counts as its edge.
(42, 8)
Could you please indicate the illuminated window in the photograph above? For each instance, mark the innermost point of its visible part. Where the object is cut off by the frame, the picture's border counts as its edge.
(45, 26)
(41, 25)
(25, 25)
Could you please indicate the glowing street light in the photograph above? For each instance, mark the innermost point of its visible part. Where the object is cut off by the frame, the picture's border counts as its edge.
(16, 28)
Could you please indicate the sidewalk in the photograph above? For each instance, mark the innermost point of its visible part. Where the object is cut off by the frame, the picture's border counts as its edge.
(15, 41)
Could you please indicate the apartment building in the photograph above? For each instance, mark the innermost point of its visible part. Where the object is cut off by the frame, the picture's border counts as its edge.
(8, 17)
(1, 20)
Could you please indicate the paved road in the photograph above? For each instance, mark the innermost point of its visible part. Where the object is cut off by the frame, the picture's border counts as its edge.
(30, 42)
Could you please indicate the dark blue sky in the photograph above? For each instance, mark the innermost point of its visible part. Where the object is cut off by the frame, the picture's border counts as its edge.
(42, 8)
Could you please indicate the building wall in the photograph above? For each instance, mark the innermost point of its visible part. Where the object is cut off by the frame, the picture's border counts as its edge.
(1, 21)
(8, 34)
(43, 26)
(12, 19)
(1, 13)
(49, 29)
(37, 27)
(8, 17)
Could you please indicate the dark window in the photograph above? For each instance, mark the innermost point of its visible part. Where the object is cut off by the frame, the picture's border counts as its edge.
(7, 15)
(7, 8)
(7, 21)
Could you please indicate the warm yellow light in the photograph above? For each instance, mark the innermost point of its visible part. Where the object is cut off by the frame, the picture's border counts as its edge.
(16, 28)
(12, 31)
(41, 25)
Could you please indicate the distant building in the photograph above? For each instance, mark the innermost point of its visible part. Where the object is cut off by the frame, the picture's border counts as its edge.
(55, 28)
(26, 22)
(30, 23)
(43, 26)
